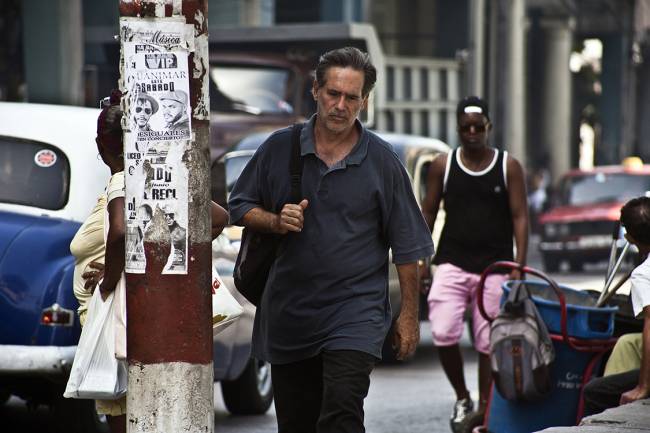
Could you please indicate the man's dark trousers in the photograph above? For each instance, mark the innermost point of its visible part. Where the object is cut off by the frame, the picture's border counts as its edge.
(323, 394)
(605, 392)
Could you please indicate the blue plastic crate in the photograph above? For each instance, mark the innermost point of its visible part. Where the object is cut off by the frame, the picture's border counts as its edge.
(584, 320)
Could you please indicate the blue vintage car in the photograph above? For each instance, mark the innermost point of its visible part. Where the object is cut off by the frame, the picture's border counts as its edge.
(50, 177)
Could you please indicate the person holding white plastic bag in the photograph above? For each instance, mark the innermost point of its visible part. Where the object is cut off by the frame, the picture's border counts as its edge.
(88, 245)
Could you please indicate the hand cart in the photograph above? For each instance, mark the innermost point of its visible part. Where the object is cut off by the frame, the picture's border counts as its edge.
(581, 334)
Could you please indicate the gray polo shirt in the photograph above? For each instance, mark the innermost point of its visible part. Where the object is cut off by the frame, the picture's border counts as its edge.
(328, 288)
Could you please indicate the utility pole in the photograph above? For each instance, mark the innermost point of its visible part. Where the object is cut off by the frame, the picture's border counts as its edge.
(476, 68)
(514, 138)
(164, 78)
(507, 52)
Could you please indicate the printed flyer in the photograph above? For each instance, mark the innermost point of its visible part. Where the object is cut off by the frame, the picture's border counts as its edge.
(157, 131)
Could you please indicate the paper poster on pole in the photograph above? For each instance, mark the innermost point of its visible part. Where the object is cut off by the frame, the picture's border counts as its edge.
(157, 124)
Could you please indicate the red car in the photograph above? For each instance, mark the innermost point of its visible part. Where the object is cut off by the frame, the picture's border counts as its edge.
(579, 227)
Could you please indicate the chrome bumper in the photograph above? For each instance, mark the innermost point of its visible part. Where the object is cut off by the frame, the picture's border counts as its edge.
(19, 360)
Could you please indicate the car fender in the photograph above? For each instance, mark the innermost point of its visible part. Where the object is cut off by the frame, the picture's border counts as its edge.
(36, 270)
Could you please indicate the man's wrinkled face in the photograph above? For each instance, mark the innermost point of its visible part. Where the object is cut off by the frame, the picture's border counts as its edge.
(172, 110)
(473, 129)
(340, 100)
(143, 112)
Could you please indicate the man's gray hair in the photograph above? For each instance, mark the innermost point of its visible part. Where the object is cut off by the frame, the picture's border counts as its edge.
(348, 57)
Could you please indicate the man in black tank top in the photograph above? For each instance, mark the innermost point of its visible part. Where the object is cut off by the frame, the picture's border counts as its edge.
(484, 198)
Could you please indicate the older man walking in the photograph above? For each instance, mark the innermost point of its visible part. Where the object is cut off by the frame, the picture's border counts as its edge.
(325, 310)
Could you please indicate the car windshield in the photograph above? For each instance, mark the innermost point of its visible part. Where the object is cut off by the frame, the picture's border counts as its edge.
(603, 188)
(33, 174)
(253, 90)
(234, 166)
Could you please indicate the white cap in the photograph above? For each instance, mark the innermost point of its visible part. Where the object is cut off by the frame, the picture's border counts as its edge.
(473, 109)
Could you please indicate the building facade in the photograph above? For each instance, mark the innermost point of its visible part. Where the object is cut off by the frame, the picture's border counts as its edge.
(522, 55)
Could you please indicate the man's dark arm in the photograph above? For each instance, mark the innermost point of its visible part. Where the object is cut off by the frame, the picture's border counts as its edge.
(518, 210)
(435, 178)
(430, 207)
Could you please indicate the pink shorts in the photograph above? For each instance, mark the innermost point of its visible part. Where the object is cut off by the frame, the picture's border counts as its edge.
(452, 291)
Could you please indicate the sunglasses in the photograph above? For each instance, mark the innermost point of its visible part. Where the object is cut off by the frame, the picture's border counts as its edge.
(477, 128)
(146, 110)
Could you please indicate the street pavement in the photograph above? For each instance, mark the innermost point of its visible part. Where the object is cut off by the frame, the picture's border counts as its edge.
(415, 396)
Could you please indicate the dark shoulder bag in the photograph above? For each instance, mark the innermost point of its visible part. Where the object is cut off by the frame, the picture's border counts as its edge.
(258, 250)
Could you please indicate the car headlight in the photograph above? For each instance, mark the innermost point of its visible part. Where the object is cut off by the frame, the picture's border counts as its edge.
(550, 230)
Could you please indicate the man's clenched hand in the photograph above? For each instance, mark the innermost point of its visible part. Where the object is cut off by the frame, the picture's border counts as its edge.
(291, 218)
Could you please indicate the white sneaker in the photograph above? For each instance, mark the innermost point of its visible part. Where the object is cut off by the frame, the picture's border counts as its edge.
(462, 408)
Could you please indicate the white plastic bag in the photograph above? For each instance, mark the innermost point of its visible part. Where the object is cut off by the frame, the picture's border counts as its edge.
(96, 373)
(119, 314)
(225, 308)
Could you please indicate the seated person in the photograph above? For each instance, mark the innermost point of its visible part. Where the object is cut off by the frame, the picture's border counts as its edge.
(628, 386)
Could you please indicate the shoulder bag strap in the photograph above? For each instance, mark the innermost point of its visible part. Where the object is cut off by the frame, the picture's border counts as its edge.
(295, 164)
